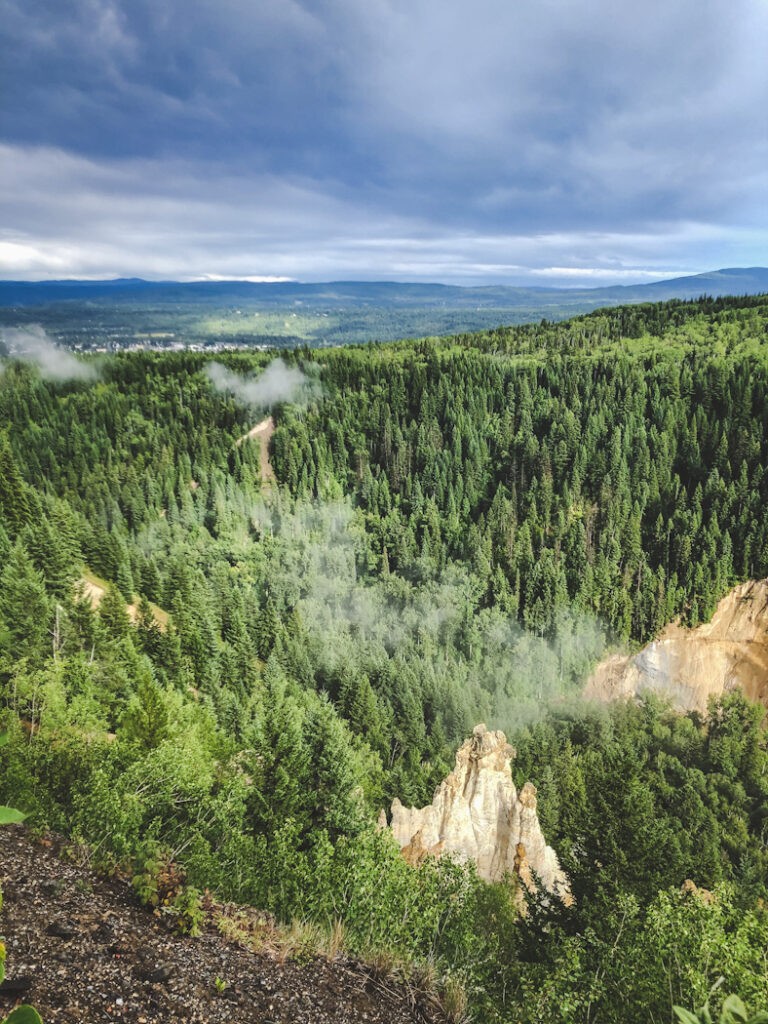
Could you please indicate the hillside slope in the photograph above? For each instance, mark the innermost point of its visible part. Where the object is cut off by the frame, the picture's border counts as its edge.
(90, 953)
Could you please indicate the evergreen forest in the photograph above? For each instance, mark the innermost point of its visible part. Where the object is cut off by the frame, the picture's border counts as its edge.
(233, 671)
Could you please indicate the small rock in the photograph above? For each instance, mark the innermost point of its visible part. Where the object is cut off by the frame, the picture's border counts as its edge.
(162, 974)
(16, 986)
(60, 930)
(103, 933)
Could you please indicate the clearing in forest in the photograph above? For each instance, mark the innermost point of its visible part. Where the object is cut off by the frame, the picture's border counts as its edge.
(263, 431)
(94, 588)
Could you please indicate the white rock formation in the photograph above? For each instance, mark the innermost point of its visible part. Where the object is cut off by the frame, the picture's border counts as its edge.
(691, 665)
(477, 814)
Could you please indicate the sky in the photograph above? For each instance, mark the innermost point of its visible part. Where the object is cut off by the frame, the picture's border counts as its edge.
(542, 142)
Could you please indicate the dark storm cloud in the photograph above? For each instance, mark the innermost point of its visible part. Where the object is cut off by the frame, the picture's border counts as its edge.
(423, 138)
(142, 78)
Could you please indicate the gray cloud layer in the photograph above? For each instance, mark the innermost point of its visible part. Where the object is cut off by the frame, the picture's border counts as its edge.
(419, 139)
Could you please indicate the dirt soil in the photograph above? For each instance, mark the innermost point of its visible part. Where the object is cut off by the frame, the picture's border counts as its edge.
(691, 665)
(263, 432)
(94, 588)
(82, 950)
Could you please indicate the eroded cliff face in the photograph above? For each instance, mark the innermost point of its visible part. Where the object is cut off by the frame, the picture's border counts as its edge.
(691, 665)
(477, 814)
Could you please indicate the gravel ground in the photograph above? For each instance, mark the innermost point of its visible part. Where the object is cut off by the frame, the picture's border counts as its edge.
(82, 950)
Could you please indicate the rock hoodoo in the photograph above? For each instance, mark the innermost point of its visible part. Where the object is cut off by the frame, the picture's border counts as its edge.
(691, 665)
(477, 814)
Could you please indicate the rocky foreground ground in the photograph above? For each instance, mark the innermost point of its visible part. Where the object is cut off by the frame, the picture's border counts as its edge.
(82, 950)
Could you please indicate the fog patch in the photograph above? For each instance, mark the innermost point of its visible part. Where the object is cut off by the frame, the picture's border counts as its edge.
(356, 620)
(33, 345)
(278, 382)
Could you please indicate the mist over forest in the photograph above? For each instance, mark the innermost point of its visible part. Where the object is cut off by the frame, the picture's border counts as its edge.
(383, 512)
(231, 658)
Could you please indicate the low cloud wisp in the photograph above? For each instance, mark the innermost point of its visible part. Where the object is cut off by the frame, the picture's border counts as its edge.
(277, 383)
(33, 345)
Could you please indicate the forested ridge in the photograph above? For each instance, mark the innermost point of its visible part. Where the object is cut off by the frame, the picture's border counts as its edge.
(460, 527)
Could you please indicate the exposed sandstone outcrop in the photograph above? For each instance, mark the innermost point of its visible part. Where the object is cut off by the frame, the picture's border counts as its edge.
(691, 665)
(477, 814)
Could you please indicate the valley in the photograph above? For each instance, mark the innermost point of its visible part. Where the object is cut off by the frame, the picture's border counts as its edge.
(136, 315)
(383, 512)
(247, 605)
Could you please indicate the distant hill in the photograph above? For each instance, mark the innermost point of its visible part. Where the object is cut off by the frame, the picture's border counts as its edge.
(130, 312)
(378, 294)
(730, 281)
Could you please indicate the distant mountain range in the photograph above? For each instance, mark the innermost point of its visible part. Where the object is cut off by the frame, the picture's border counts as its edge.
(379, 294)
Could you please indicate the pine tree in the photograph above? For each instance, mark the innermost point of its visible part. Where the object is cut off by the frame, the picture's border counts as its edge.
(114, 615)
(145, 720)
(24, 607)
(15, 505)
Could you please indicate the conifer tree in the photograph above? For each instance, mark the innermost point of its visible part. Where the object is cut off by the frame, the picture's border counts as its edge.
(25, 608)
